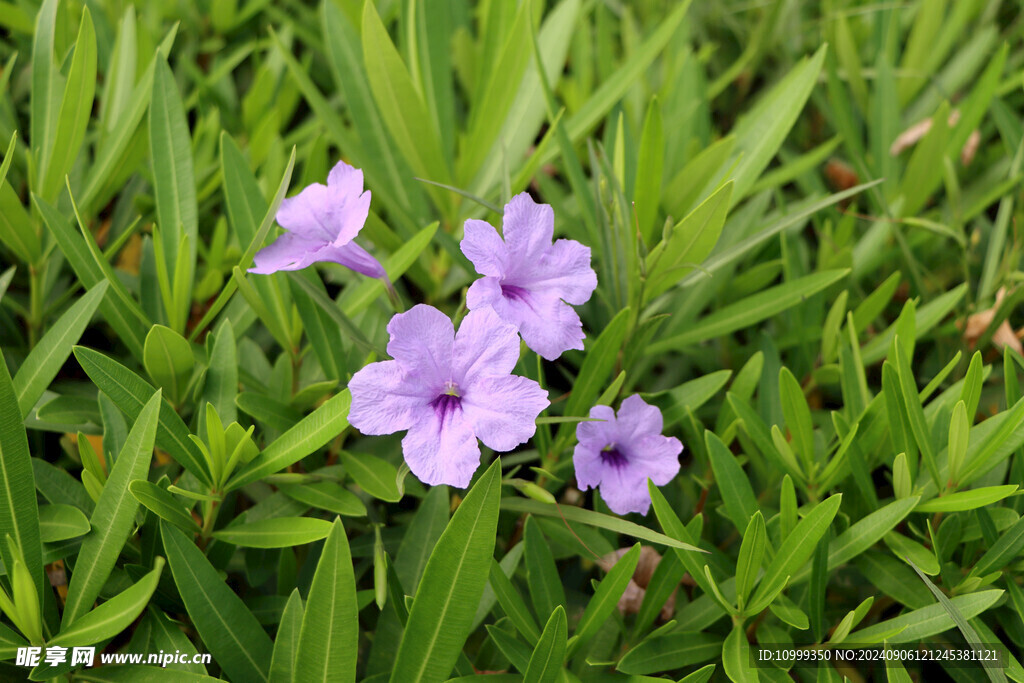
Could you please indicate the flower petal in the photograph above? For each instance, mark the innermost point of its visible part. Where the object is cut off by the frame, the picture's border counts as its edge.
(354, 257)
(290, 251)
(565, 270)
(482, 245)
(655, 457)
(421, 341)
(504, 410)
(346, 180)
(637, 418)
(442, 452)
(586, 460)
(598, 434)
(528, 228)
(385, 399)
(485, 346)
(548, 325)
(308, 213)
(625, 491)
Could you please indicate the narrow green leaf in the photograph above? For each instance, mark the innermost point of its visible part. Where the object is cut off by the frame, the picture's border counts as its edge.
(75, 110)
(736, 656)
(543, 580)
(750, 310)
(967, 500)
(59, 522)
(129, 392)
(373, 475)
(286, 642)
(606, 598)
(163, 504)
(798, 546)
(452, 584)
(277, 532)
(228, 629)
(591, 518)
(114, 516)
(732, 481)
(918, 624)
(114, 615)
(311, 433)
(547, 658)
(330, 625)
(19, 512)
(48, 356)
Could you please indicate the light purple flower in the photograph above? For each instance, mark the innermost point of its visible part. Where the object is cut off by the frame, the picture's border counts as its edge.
(623, 452)
(321, 223)
(529, 281)
(447, 390)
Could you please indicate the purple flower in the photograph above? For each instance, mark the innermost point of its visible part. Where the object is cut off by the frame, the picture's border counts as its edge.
(447, 390)
(529, 281)
(320, 223)
(623, 452)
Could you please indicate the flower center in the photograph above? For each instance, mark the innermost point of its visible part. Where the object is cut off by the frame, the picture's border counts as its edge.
(613, 457)
(514, 292)
(447, 403)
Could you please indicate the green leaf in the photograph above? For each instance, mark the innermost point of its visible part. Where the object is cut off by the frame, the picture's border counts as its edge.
(326, 495)
(967, 500)
(925, 622)
(373, 475)
(59, 522)
(762, 129)
(693, 394)
(311, 433)
(277, 532)
(750, 310)
(867, 531)
(1002, 552)
(330, 625)
(649, 170)
(48, 356)
(174, 182)
(591, 518)
(732, 481)
(286, 642)
(496, 97)
(606, 598)
(114, 615)
(908, 549)
(401, 106)
(798, 547)
(736, 656)
(45, 84)
(19, 513)
(797, 415)
(129, 392)
(543, 580)
(140, 673)
(75, 110)
(328, 306)
(228, 629)
(114, 517)
(168, 359)
(748, 564)
(689, 243)
(450, 589)
(512, 603)
(549, 654)
(668, 651)
(161, 503)
(128, 321)
(923, 174)
(959, 432)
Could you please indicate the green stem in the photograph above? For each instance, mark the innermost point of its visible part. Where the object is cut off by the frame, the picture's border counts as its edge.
(35, 307)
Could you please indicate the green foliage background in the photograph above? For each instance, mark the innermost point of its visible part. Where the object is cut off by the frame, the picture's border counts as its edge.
(789, 288)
